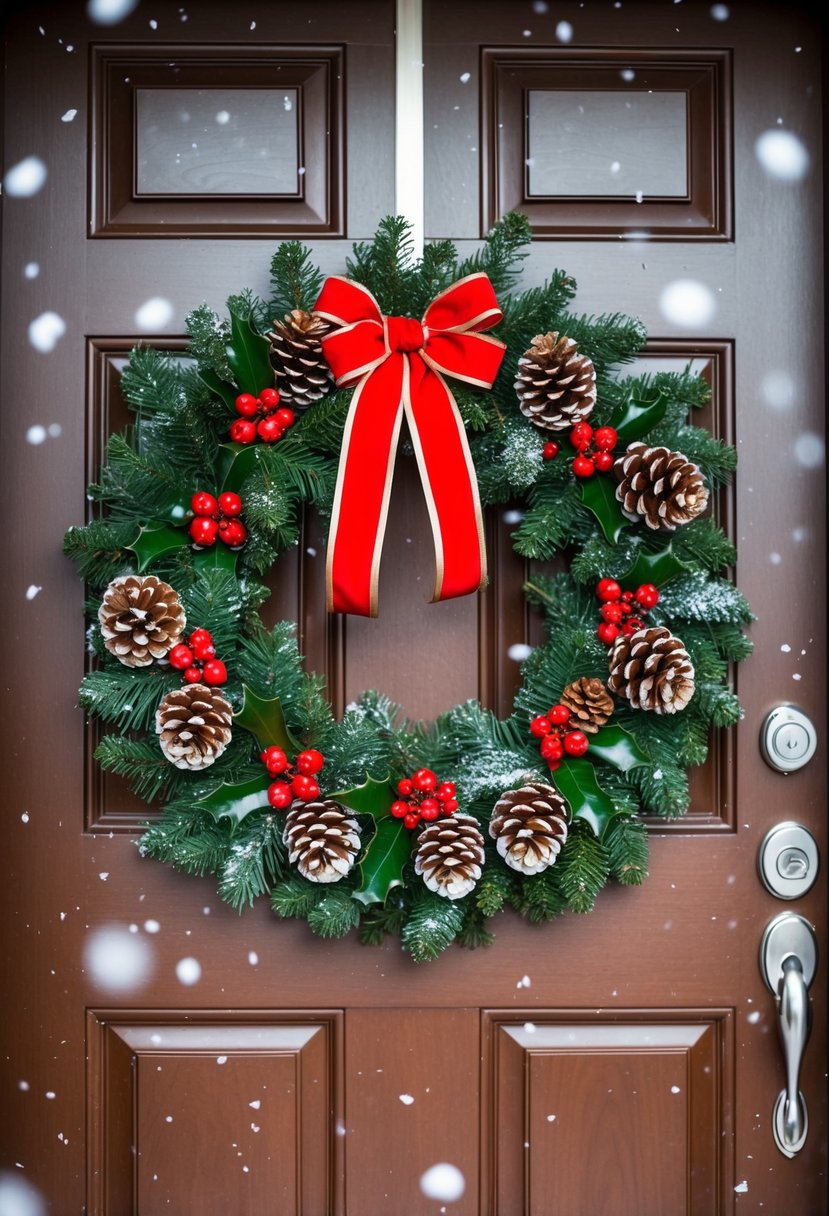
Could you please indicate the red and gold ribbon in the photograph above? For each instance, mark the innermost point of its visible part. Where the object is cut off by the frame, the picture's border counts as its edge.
(397, 365)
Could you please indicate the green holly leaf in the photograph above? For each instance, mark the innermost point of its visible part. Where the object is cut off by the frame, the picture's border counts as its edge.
(234, 462)
(381, 868)
(635, 418)
(598, 494)
(248, 356)
(216, 557)
(265, 721)
(237, 801)
(576, 782)
(371, 798)
(153, 541)
(617, 747)
(655, 568)
(221, 388)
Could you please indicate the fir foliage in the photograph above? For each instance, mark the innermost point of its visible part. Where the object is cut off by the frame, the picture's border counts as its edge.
(295, 280)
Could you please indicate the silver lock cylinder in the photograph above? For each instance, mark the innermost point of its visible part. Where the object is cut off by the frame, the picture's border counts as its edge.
(788, 739)
(788, 860)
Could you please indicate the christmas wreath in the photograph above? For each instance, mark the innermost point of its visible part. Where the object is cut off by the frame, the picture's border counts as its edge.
(295, 403)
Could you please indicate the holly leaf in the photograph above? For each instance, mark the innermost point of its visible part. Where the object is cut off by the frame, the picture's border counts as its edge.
(153, 541)
(371, 798)
(617, 747)
(248, 356)
(234, 462)
(237, 801)
(576, 782)
(655, 568)
(265, 721)
(381, 868)
(219, 387)
(216, 557)
(598, 494)
(635, 418)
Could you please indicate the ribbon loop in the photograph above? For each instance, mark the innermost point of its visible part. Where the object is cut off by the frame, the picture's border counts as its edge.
(398, 366)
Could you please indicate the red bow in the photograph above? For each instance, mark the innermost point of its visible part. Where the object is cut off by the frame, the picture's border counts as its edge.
(398, 365)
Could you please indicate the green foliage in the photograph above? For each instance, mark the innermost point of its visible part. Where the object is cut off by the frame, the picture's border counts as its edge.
(139, 761)
(582, 868)
(432, 925)
(255, 858)
(100, 550)
(295, 280)
(627, 851)
(209, 339)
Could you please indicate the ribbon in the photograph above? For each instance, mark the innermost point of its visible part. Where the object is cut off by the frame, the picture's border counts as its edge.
(398, 366)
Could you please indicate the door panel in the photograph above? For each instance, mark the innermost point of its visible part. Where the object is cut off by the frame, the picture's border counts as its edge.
(372, 1071)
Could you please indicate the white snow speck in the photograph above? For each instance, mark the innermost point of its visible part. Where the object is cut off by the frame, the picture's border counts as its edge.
(782, 155)
(255, 1104)
(406, 1099)
(797, 676)
(54, 430)
(51, 1095)
(18, 1197)
(720, 12)
(24, 1085)
(154, 314)
(253, 958)
(253, 25)
(675, 1089)
(301, 170)
(188, 971)
(68, 116)
(156, 1039)
(153, 23)
(529, 1027)
(786, 648)
(564, 31)
(311, 551)
(519, 651)
(465, 77)
(107, 12)
(25, 178)
(524, 982)
(687, 303)
(117, 961)
(168, 1118)
(615, 166)
(775, 559)
(754, 1016)
(46, 331)
(627, 74)
(36, 434)
(287, 104)
(104, 875)
(25, 816)
(222, 117)
(254, 1127)
(221, 1059)
(443, 1181)
(31, 270)
(639, 196)
(512, 517)
(551, 1118)
(540, 6)
(741, 1188)
(151, 926)
(777, 389)
(809, 450)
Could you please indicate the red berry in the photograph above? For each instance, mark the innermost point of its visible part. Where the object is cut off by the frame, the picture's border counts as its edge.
(647, 596)
(581, 435)
(550, 450)
(234, 532)
(540, 726)
(424, 779)
(310, 761)
(181, 656)
(558, 715)
(576, 743)
(411, 819)
(633, 623)
(215, 672)
(199, 636)
(603, 461)
(430, 813)
(583, 467)
(230, 503)
(269, 429)
(608, 589)
(605, 439)
(279, 795)
(202, 644)
(269, 397)
(404, 787)
(445, 790)
(627, 629)
(551, 748)
(242, 431)
(626, 607)
(612, 613)
(305, 788)
(247, 405)
(274, 759)
(285, 417)
(450, 806)
(627, 596)
(399, 809)
(193, 675)
(553, 765)
(203, 530)
(607, 633)
(204, 503)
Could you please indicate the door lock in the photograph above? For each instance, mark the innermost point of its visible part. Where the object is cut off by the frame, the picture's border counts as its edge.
(788, 860)
(788, 739)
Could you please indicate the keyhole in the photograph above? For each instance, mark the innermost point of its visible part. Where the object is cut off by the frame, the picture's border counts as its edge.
(793, 863)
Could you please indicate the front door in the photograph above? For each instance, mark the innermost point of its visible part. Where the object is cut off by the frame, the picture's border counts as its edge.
(624, 1062)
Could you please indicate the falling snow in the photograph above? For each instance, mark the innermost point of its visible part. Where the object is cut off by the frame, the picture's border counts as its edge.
(687, 303)
(741, 1188)
(782, 155)
(108, 12)
(31, 270)
(151, 926)
(564, 31)
(25, 816)
(443, 1181)
(154, 314)
(18, 1197)
(117, 961)
(406, 1099)
(68, 116)
(46, 331)
(25, 178)
(519, 651)
(188, 971)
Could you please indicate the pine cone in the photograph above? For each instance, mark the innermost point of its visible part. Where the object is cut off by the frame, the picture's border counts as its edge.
(556, 386)
(450, 854)
(660, 486)
(193, 723)
(323, 839)
(652, 670)
(300, 371)
(529, 826)
(589, 703)
(141, 619)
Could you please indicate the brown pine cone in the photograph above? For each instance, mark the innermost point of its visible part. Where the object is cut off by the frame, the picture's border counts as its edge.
(141, 619)
(449, 856)
(589, 703)
(301, 373)
(529, 826)
(660, 486)
(556, 386)
(652, 670)
(323, 839)
(193, 724)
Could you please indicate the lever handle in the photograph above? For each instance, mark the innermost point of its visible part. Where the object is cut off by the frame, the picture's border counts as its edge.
(795, 1023)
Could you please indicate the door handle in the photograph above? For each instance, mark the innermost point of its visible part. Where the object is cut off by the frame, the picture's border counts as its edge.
(788, 960)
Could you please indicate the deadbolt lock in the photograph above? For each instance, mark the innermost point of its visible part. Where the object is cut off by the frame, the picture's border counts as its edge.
(788, 860)
(788, 739)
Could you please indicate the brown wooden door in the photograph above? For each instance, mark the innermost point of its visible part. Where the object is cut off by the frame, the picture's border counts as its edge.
(624, 1062)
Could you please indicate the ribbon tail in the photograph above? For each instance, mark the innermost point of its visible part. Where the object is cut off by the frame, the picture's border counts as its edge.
(449, 482)
(361, 498)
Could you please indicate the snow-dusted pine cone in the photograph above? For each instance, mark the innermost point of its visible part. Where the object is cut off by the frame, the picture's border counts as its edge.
(529, 826)
(323, 839)
(556, 386)
(662, 487)
(450, 854)
(652, 670)
(194, 726)
(589, 702)
(141, 619)
(300, 371)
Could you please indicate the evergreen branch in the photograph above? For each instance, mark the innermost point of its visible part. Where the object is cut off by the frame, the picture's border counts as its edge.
(126, 696)
(542, 897)
(335, 913)
(256, 857)
(433, 924)
(209, 340)
(138, 761)
(627, 851)
(582, 868)
(99, 550)
(295, 280)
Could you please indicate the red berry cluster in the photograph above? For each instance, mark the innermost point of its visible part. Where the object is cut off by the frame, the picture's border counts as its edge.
(197, 659)
(217, 519)
(260, 416)
(595, 449)
(622, 611)
(422, 796)
(557, 739)
(297, 780)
